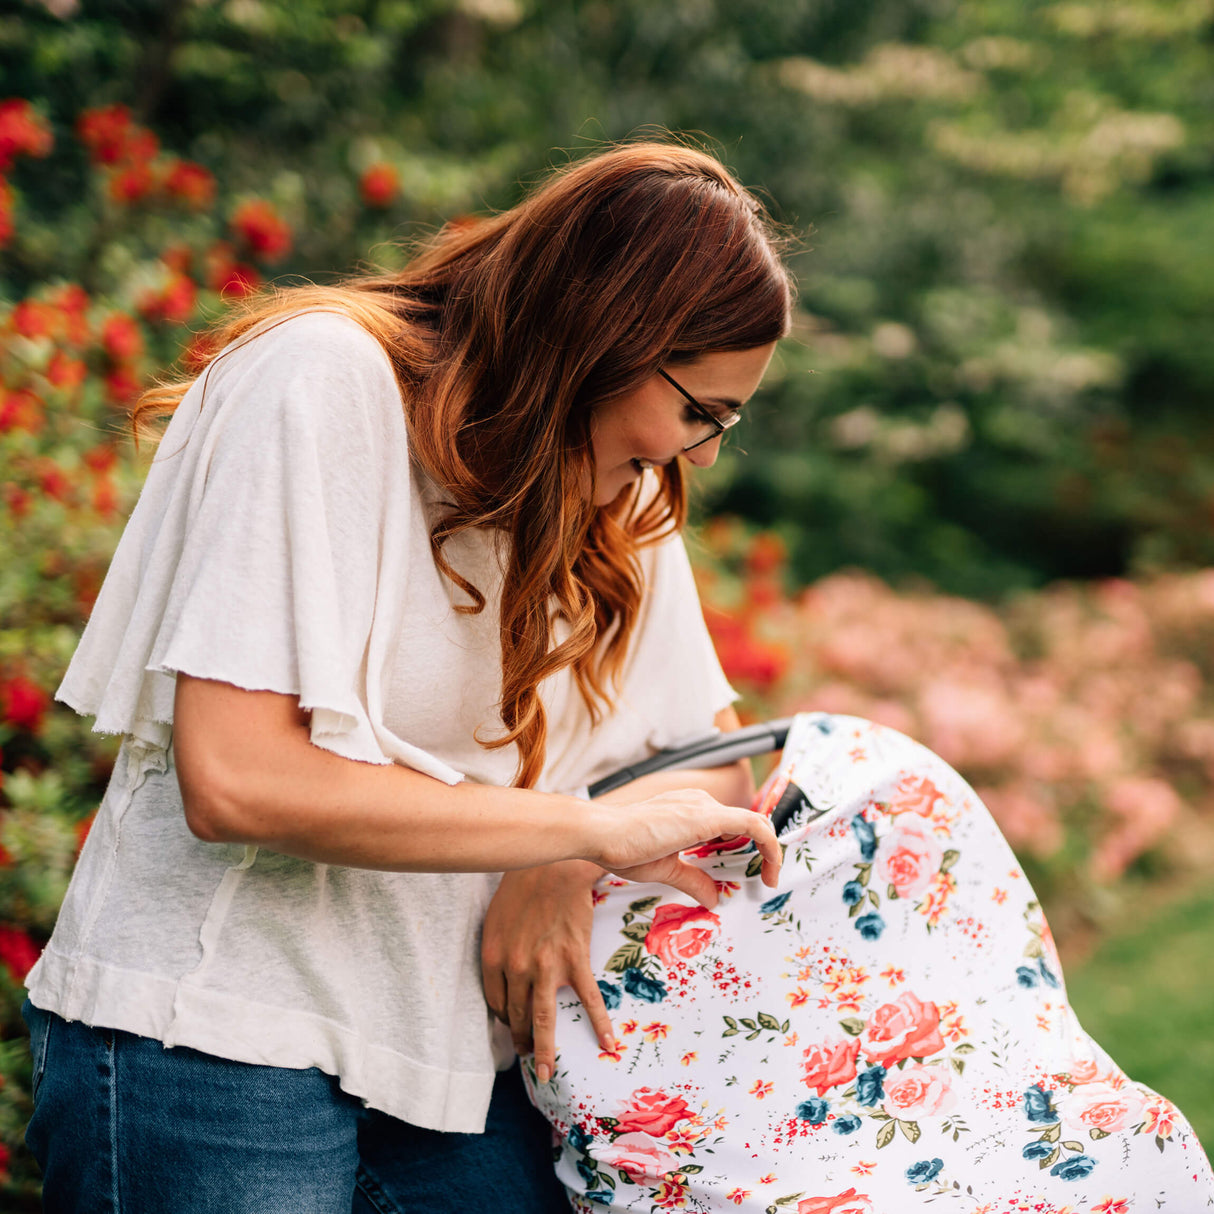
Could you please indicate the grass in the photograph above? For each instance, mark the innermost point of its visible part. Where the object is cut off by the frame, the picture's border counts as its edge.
(1146, 994)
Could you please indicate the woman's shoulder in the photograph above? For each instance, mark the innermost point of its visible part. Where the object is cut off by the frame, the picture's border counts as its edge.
(308, 341)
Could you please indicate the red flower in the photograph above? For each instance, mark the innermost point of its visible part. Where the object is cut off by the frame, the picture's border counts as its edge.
(101, 458)
(71, 304)
(767, 554)
(17, 500)
(65, 372)
(174, 302)
(20, 410)
(17, 951)
(260, 226)
(82, 831)
(7, 228)
(23, 131)
(105, 132)
(190, 183)
(132, 184)
(680, 932)
(227, 275)
(121, 338)
(53, 481)
(650, 1112)
(105, 497)
(23, 703)
(33, 319)
(122, 385)
(379, 184)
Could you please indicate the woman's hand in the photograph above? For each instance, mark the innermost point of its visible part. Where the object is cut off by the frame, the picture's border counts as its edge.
(536, 940)
(642, 841)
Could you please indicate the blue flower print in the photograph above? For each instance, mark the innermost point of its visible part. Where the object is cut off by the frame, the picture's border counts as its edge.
(813, 1110)
(602, 1197)
(924, 1170)
(870, 926)
(1038, 1150)
(849, 1123)
(640, 986)
(587, 1170)
(1025, 976)
(611, 995)
(1075, 1168)
(870, 1085)
(853, 892)
(579, 1140)
(865, 836)
(774, 904)
(1038, 1105)
(1047, 973)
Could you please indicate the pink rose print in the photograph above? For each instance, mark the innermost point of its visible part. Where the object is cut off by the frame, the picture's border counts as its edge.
(1101, 1106)
(680, 932)
(1084, 1070)
(918, 1091)
(908, 1028)
(910, 855)
(651, 1112)
(638, 1156)
(917, 795)
(850, 1202)
(830, 1063)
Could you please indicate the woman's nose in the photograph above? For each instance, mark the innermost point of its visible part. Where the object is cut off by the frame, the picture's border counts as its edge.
(705, 455)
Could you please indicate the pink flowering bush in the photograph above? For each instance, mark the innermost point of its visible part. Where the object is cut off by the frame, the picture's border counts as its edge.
(1082, 714)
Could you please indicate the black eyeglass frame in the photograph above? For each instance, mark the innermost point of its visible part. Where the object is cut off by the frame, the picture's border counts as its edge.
(719, 425)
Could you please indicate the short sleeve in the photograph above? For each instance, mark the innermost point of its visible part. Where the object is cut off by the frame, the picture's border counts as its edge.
(675, 678)
(276, 507)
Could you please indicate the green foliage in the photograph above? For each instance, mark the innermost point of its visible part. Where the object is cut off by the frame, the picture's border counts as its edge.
(999, 213)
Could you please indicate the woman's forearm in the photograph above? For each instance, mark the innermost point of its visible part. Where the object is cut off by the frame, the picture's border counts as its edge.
(249, 773)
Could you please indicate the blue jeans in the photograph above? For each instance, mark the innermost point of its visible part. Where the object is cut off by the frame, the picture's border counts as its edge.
(124, 1126)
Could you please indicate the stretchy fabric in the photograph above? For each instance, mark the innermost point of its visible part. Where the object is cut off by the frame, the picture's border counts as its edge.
(281, 543)
(888, 1032)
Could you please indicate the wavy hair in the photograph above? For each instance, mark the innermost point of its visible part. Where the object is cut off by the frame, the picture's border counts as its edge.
(505, 334)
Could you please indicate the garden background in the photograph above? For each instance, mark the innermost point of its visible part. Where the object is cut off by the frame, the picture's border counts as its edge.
(976, 496)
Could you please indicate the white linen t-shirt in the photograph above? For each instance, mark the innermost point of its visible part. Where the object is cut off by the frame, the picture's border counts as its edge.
(281, 542)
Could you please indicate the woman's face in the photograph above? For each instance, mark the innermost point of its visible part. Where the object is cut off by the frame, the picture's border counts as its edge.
(653, 423)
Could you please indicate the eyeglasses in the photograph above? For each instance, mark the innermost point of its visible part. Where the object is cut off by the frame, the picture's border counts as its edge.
(707, 425)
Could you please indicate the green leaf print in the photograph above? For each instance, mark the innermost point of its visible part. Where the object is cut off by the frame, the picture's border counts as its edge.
(643, 906)
(853, 1026)
(885, 1135)
(626, 957)
(910, 1130)
(637, 932)
(949, 858)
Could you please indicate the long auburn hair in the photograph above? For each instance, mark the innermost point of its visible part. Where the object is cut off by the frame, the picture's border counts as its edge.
(505, 333)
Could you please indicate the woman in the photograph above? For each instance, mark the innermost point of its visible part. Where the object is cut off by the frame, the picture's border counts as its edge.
(404, 578)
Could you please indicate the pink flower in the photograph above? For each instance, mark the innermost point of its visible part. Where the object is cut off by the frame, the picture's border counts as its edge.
(918, 1091)
(910, 855)
(651, 1112)
(830, 1063)
(908, 1028)
(1084, 1070)
(850, 1202)
(638, 1156)
(1159, 1117)
(680, 932)
(1100, 1106)
(918, 795)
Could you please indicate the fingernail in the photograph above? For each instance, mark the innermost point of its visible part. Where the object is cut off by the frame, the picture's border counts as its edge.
(542, 1073)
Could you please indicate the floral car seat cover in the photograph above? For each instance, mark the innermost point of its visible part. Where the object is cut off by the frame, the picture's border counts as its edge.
(887, 1032)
